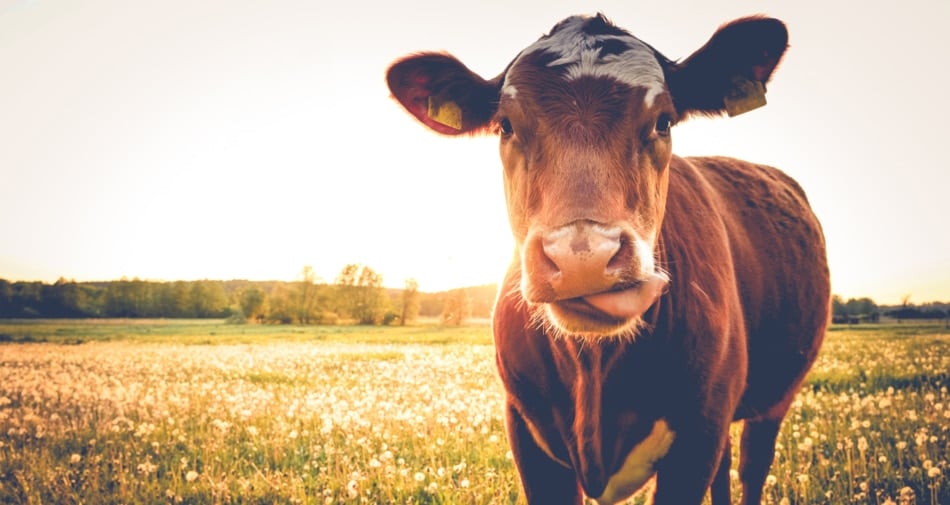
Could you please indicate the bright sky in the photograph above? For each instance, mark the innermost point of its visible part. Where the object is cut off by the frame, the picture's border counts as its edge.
(219, 139)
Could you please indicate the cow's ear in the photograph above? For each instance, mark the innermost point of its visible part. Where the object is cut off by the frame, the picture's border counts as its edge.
(443, 93)
(729, 73)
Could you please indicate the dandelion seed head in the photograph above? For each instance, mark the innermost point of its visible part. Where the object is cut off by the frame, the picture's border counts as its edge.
(146, 468)
(906, 496)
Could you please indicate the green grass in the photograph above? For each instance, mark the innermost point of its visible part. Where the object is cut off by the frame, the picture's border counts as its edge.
(216, 331)
(180, 411)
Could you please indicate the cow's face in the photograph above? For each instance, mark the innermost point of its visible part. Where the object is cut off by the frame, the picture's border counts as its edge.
(584, 117)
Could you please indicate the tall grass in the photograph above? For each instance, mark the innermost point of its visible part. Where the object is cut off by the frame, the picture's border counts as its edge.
(401, 415)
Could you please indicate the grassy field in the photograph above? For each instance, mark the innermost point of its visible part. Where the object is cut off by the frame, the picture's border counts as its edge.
(128, 411)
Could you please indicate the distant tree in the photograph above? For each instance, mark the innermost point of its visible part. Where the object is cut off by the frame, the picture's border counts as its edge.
(348, 275)
(140, 298)
(457, 307)
(308, 297)
(252, 303)
(70, 298)
(905, 300)
(371, 299)
(163, 299)
(181, 293)
(208, 299)
(118, 299)
(838, 307)
(280, 306)
(23, 299)
(7, 307)
(410, 302)
(853, 310)
(360, 294)
(861, 307)
(344, 295)
(6, 291)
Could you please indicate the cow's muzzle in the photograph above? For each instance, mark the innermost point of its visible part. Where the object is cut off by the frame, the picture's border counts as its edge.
(591, 270)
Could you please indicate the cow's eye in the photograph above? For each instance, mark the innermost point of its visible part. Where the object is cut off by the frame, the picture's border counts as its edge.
(663, 124)
(505, 127)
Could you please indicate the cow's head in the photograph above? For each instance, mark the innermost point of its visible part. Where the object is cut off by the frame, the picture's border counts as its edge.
(584, 118)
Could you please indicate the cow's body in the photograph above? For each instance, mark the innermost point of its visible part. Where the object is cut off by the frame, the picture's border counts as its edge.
(654, 299)
(746, 259)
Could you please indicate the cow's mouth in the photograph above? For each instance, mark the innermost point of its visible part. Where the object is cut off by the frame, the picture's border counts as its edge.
(610, 312)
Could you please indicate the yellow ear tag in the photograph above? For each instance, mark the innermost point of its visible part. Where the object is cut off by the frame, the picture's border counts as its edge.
(447, 113)
(744, 96)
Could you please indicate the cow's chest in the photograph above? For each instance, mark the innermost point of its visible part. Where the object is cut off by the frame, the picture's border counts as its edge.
(639, 465)
(595, 411)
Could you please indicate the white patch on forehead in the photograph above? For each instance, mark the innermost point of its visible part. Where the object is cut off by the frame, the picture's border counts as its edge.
(580, 54)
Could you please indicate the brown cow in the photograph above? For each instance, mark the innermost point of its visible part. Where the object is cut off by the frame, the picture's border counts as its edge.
(654, 299)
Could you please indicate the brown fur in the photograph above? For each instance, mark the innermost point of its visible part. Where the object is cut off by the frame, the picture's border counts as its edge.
(749, 292)
(747, 305)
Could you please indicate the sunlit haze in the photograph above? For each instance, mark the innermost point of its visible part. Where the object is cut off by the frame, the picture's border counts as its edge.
(243, 140)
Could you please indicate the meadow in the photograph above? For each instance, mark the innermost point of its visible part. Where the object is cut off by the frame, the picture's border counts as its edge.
(200, 412)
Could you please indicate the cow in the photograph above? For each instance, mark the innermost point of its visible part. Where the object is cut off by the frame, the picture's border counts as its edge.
(653, 300)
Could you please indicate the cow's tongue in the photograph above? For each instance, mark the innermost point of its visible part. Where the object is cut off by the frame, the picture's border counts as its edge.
(632, 302)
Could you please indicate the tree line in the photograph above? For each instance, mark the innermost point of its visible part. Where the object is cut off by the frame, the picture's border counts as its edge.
(864, 309)
(356, 296)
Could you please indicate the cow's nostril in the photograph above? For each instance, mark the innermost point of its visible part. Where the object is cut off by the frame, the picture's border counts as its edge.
(623, 257)
(575, 260)
(546, 263)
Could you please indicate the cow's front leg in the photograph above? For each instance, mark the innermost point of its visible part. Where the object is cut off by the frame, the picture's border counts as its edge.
(685, 474)
(545, 481)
